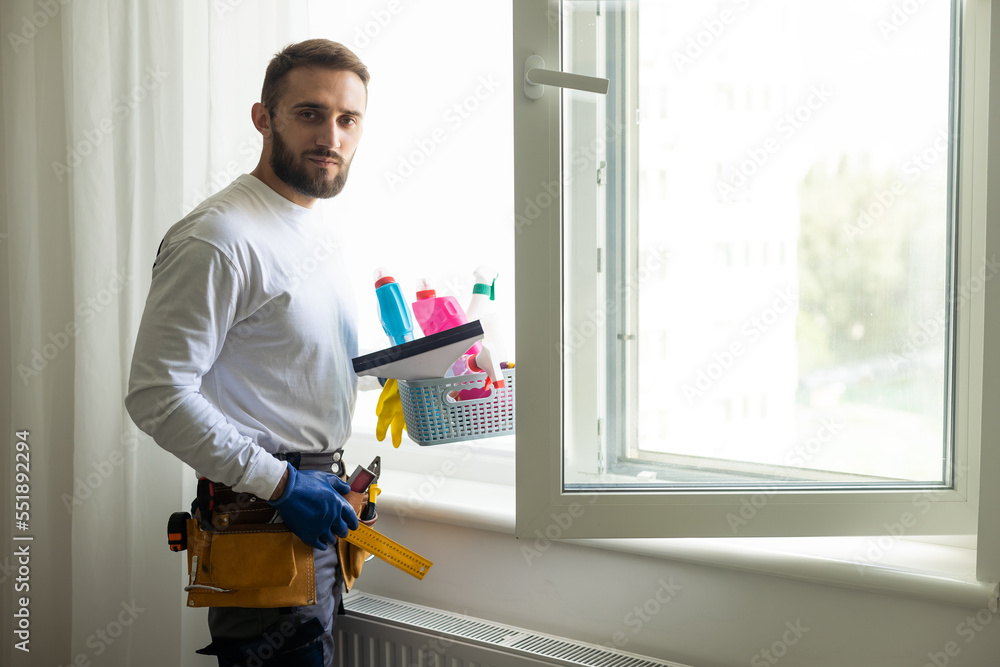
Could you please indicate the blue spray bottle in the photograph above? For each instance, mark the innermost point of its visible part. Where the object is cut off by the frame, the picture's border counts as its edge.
(392, 308)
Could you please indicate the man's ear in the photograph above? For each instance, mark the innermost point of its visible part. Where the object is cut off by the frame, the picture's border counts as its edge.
(261, 119)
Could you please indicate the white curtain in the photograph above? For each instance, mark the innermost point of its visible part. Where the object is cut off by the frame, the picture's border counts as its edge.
(118, 116)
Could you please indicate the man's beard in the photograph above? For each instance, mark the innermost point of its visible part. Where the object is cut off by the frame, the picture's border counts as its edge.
(296, 175)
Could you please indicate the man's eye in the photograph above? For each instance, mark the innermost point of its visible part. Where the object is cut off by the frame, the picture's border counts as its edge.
(309, 114)
(349, 121)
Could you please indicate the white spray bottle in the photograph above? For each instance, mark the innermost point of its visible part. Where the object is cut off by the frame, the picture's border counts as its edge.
(483, 293)
(484, 362)
(482, 308)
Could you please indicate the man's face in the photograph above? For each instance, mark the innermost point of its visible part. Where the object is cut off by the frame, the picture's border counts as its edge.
(316, 128)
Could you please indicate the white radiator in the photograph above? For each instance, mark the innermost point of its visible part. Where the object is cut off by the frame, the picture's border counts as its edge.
(381, 632)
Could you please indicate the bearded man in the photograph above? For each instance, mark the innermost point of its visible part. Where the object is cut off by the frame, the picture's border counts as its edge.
(242, 363)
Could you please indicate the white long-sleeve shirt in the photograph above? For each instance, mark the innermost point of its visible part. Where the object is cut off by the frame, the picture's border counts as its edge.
(246, 341)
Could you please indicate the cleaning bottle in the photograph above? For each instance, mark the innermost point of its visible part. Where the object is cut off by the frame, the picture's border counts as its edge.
(483, 293)
(436, 313)
(392, 309)
(482, 308)
(484, 362)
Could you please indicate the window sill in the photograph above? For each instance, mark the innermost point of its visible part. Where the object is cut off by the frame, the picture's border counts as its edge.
(896, 567)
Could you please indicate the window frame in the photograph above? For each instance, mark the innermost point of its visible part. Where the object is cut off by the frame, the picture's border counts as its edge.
(543, 506)
(986, 163)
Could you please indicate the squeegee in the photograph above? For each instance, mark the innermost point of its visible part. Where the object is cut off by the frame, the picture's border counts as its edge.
(421, 359)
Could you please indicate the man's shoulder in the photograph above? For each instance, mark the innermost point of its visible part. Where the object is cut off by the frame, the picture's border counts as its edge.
(224, 220)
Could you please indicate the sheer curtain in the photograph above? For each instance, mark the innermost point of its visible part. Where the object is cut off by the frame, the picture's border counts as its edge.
(118, 116)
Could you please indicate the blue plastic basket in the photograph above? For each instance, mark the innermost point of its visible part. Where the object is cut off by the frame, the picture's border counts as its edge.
(434, 418)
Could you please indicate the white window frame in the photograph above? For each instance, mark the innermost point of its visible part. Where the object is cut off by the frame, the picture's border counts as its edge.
(543, 506)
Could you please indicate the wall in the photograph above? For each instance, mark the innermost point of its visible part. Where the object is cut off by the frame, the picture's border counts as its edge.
(712, 617)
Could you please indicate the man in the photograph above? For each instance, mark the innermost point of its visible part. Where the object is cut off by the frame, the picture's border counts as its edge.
(242, 364)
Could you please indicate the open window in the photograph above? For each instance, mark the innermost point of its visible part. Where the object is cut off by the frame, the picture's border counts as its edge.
(752, 277)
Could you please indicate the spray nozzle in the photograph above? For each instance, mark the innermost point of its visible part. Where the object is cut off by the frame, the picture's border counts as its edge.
(486, 278)
(486, 362)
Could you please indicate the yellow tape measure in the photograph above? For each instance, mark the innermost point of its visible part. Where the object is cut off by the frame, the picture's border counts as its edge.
(390, 551)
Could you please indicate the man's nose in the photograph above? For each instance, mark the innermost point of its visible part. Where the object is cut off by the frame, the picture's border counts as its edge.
(331, 134)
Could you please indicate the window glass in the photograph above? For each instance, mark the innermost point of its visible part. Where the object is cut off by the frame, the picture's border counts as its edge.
(771, 296)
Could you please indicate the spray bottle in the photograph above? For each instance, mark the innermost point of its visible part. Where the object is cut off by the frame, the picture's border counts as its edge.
(436, 313)
(483, 293)
(392, 310)
(484, 362)
(481, 307)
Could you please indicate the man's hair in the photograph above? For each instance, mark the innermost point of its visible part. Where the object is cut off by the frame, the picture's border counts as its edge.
(320, 53)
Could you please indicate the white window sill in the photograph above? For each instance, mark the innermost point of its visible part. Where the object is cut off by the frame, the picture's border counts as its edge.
(447, 484)
(434, 492)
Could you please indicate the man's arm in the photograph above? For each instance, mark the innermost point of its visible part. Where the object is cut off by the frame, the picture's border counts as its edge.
(280, 489)
(194, 299)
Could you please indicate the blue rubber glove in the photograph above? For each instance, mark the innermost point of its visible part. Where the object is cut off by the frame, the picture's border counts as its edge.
(313, 507)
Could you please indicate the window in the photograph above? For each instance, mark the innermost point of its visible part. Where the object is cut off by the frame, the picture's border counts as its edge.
(819, 223)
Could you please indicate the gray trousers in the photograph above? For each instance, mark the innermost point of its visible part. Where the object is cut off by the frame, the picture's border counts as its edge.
(270, 633)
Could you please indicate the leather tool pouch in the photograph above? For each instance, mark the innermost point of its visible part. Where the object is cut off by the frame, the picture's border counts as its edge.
(241, 555)
(352, 558)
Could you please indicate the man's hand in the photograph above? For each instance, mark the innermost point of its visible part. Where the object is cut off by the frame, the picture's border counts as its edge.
(313, 506)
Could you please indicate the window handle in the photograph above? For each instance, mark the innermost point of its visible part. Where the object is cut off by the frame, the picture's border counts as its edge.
(536, 76)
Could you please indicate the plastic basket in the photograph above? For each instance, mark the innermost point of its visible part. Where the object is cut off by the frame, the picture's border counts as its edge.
(433, 418)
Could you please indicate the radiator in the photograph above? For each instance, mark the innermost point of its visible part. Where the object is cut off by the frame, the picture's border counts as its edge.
(382, 632)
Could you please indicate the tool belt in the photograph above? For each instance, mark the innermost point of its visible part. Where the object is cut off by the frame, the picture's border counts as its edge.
(241, 554)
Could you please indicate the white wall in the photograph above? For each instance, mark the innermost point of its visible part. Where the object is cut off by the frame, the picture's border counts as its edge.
(718, 618)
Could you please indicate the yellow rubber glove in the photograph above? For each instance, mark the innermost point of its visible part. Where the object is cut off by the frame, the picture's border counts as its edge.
(389, 410)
